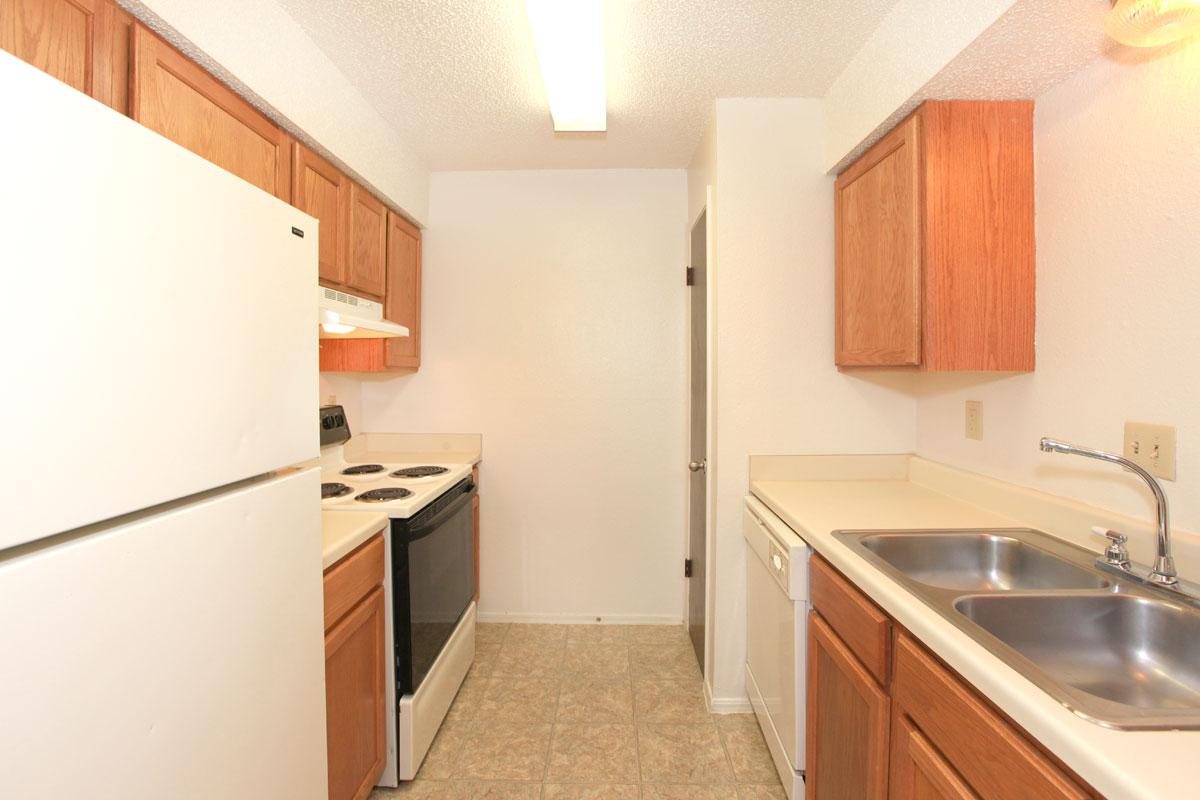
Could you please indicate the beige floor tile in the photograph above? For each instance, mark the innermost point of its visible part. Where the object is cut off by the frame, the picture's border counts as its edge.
(670, 701)
(518, 700)
(421, 790)
(485, 658)
(600, 753)
(466, 702)
(658, 661)
(747, 750)
(529, 659)
(761, 792)
(490, 632)
(504, 751)
(678, 791)
(595, 700)
(536, 633)
(498, 790)
(591, 791)
(597, 634)
(596, 660)
(656, 634)
(442, 759)
(671, 753)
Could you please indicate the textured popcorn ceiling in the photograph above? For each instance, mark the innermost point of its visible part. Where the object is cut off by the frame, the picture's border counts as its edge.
(460, 83)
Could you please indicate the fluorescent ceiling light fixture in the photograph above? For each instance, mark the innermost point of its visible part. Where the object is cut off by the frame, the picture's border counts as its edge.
(1152, 23)
(569, 37)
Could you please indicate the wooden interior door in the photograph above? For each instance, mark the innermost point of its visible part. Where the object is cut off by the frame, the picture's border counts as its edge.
(919, 771)
(73, 40)
(366, 269)
(847, 729)
(170, 94)
(321, 190)
(355, 701)
(402, 303)
(878, 254)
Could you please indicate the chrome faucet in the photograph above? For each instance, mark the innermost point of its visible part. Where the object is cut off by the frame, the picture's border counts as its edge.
(1163, 573)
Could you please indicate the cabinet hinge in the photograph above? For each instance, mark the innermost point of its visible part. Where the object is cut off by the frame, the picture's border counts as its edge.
(687, 568)
(691, 276)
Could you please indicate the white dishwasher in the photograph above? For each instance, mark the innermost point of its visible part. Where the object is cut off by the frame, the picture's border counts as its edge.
(777, 606)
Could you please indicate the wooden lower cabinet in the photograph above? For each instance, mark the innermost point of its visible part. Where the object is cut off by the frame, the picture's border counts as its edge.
(918, 770)
(847, 737)
(355, 691)
(921, 733)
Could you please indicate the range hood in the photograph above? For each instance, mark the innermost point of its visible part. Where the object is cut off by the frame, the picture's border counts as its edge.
(347, 316)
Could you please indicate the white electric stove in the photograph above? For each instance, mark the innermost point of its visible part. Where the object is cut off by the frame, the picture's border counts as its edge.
(429, 582)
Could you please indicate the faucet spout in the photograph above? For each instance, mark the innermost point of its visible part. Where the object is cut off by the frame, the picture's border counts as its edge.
(1163, 572)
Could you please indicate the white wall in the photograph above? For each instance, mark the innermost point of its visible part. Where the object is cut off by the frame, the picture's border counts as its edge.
(777, 389)
(554, 323)
(1118, 319)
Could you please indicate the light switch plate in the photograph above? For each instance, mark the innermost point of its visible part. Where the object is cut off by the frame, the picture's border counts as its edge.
(1152, 447)
(975, 420)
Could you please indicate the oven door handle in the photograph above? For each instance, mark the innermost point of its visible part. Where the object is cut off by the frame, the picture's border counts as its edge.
(427, 526)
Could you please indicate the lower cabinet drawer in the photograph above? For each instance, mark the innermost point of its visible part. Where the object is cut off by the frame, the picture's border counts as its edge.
(993, 758)
(352, 578)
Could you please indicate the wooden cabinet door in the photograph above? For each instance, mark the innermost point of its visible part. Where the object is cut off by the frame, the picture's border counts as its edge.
(403, 302)
(355, 701)
(847, 726)
(80, 42)
(919, 771)
(321, 190)
(172, 95)
(878, 254)
(366, 269)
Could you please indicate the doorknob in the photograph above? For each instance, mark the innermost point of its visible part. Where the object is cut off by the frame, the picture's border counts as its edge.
(697, 466)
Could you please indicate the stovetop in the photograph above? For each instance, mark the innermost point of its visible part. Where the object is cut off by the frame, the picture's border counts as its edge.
(398, 490)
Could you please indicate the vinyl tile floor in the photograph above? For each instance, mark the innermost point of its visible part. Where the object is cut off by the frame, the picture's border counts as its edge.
(590, 712)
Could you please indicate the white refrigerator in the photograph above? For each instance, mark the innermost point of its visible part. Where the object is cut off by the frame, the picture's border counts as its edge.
(160, 550)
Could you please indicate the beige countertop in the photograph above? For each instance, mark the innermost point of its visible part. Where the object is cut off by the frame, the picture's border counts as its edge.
(342, 531)
(1134, 765)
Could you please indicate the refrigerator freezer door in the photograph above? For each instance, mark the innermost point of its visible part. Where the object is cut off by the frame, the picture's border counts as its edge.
(160, 314)
(177, 655)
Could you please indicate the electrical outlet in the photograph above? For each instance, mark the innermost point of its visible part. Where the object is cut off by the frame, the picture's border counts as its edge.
(331, 400)
(1152, 447)
(975, 419)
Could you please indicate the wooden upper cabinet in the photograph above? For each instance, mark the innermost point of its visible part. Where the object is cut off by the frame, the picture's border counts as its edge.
(403, 302)
(321, 190)
(83, 43)
(401, 305)
(935, 242)
(366, 268)
(172, 95)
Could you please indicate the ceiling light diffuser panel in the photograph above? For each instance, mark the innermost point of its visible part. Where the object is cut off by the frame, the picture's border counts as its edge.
(569, 38)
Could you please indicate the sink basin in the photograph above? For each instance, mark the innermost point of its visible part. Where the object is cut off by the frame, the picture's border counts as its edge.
(977, 561)
(1130, 651)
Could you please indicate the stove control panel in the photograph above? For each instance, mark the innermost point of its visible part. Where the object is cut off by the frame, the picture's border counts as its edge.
(334, 427)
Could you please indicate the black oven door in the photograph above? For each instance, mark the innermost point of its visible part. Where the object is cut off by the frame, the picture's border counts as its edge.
(433, 580)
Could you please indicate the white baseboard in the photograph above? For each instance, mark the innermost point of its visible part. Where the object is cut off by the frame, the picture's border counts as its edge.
(579, 619)
(726, 705)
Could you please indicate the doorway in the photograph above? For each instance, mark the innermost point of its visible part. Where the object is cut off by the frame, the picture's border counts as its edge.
(696, 566)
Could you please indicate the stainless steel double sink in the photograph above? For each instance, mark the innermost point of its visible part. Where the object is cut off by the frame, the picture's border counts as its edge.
(1113, 651)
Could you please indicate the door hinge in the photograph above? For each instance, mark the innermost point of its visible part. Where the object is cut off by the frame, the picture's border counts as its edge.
(691, 276)
(687, 568)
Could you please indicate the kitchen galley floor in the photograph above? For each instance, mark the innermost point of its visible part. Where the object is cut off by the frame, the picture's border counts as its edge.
(590, 712)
